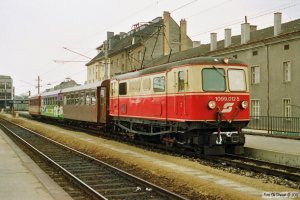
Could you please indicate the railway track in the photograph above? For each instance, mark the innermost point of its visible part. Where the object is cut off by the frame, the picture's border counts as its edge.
(250, 164)
(96, 178)
(282, 171)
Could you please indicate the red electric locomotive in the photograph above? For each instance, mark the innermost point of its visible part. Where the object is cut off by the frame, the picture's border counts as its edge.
(199, 103)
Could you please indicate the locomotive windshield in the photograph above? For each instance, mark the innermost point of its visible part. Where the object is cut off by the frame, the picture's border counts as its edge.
(237, 80)
(213, 79)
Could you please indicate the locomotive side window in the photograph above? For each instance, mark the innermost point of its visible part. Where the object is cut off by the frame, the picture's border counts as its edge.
(213, 79)
(180, 81)
(135, 85)
(159, 84)
(237, 80)
(123, 88)
(146, 84)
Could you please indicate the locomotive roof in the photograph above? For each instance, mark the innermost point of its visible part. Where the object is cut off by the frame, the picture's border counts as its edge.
(164, 67)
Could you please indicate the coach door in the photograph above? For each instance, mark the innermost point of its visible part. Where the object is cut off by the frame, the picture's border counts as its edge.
(103, 105)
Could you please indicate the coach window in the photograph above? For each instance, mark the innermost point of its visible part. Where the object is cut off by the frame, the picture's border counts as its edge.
(72, 101)
(123, 88)
(65, 100)
(93, 97)
(180, 81)
(76, 98)
(159, 84)
(87, 98)
(82, 98)
(213, 79)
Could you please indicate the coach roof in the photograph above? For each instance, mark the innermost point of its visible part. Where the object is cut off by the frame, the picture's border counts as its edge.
(72, 89)
(165, 67)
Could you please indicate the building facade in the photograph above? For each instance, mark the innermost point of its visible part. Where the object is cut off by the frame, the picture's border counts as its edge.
(273, 57)
(272, 54)
(6, 91)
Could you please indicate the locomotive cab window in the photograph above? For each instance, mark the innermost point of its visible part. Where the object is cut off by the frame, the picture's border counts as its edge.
(159, 84)
(237, 80)
(213, 79)
(180, 81)
(123, 88)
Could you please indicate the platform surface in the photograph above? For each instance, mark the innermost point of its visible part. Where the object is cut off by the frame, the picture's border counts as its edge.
(281, 145)
(21, 178)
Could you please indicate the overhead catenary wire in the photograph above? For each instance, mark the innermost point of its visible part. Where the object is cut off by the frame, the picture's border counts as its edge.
(235, 22)
(182, 6)
(155, 2)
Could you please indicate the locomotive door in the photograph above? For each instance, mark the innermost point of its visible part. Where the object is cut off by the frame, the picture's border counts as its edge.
(103, 105)
(180, 97)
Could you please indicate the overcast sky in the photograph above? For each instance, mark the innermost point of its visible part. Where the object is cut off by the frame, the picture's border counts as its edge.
(34, 32)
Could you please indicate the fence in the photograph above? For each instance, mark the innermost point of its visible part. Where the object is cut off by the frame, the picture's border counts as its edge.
(288, 125)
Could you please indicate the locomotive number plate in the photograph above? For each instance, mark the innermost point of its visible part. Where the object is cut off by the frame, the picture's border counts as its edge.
(227, 98)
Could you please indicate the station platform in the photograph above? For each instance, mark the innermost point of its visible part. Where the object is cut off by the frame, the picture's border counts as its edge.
(21, 178)
(281, 145)
(278, 150)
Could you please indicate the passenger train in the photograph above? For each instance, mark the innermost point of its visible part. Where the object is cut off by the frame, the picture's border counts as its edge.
(199, 103)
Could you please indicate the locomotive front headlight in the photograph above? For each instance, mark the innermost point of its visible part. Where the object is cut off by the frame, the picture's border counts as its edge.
(244, 104)
(226, 60)
(211, 104)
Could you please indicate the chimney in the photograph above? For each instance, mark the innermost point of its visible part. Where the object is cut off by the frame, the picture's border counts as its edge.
(183, 36)
(166, 44)
(253, 28)
(122, 35)
(110, 35)
(245, 35)
(227, 41)
(213, 41)
(277, 23)
(196, 44)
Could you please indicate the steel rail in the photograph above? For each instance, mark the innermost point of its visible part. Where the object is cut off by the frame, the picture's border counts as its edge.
(283, 171)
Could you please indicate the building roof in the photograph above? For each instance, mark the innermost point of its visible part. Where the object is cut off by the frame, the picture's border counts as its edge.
(255, 36)
(5, 77)
(121, 43)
